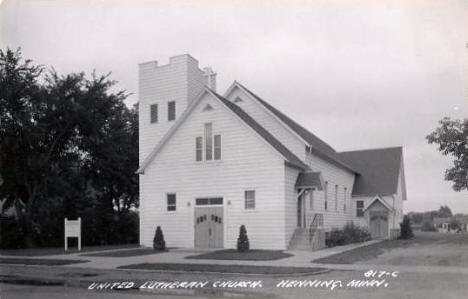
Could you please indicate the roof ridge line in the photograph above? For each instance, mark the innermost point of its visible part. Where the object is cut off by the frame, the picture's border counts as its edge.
(227, 103)
(295, 122)
(372, 149)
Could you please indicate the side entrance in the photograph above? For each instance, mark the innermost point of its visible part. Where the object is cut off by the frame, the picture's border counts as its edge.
(378, 224)
(209, 224)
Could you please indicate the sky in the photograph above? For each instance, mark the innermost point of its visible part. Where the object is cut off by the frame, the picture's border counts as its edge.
(358, 74)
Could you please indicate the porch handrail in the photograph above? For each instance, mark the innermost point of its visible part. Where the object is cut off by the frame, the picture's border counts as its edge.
(317, 221)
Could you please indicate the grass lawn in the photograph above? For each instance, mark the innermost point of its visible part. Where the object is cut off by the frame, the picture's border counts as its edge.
(251, 255)
(40, 262)
(362, 253)
(424, 249)
(60, 250)
(126, 253)
(229, 269)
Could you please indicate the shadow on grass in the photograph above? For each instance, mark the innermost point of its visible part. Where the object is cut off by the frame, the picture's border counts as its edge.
(251, 255)
(39, 262)
(127, 252)
(60, 250)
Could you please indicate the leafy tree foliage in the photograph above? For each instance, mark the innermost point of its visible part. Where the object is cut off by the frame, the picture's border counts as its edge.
(452, 138)
(454, 224)
(405, 229)
(421, 217)
(68, 148)
(444, 211)
(428, 227)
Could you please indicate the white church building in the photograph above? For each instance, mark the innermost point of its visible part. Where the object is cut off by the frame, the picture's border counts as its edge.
(210, 163)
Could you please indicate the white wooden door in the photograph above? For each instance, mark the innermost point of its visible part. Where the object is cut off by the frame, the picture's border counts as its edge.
(378, 224)
(209, 227)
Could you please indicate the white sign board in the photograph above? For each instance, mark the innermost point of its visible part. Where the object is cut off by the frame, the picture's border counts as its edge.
(73, 230)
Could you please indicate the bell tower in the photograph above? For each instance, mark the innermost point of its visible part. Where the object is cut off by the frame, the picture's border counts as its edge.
(164, 93)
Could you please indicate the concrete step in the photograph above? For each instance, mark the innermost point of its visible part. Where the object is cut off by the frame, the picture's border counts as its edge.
(301, 239)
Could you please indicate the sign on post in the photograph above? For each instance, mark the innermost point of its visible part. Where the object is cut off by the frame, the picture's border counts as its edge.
(73, 230)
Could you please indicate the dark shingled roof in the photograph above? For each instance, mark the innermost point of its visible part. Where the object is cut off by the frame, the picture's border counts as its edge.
(319, 147)
(290, 157)
(309, 180)
(378, 169)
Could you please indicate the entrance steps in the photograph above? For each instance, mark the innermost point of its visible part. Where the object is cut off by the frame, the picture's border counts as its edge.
(306, 239)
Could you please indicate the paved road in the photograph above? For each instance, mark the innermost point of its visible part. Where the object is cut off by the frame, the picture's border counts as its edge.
(422, 273)
(408, 284)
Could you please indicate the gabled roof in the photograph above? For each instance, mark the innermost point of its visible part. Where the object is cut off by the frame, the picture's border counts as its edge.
(379, 170)
(379, 199)
(319, 147)
(290, 158)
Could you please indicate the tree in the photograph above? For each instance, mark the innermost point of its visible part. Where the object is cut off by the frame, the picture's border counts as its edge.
(158, 241)
(405, 228)
(428, 227)
(67, 145)
(452, 138)
(444, 212)
(243, 240)
(454, 224)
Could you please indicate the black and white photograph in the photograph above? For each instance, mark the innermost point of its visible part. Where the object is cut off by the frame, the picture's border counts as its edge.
(233, 149)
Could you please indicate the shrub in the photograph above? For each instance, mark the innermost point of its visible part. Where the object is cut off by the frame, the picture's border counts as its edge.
(158, 241)
(350, 233)
(336, 238)
(454, 225)
(128, 228)
(12, 234)
(243, 240)
(428, 227)
(405, 229)
(355, 233)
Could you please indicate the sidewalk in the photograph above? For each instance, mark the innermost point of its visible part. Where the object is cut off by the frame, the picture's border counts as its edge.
(299, 258)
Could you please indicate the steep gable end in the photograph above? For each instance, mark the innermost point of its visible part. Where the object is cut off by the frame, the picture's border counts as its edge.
(290, 158)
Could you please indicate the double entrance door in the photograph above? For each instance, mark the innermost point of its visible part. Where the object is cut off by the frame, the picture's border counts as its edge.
(209, 225)
(378, 224)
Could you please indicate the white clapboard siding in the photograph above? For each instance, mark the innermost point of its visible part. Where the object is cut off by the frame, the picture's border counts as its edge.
(269, 122)
(180, 81)
(335, 176)
(394, 217)
(248, 163)
(290, 175)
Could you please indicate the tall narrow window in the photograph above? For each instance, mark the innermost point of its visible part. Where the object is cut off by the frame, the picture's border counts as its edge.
(154, 113)
(249, 199)
(336, 197)
(345, 197)
(217, 147)
(311, 199)
(326, 196)
(171, 111)
(199, 148)
(359, 208)
(171, 202)
(208, 141)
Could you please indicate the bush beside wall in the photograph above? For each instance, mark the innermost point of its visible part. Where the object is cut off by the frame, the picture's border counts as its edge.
(350, 233)
(158, 241)
(243, 241)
